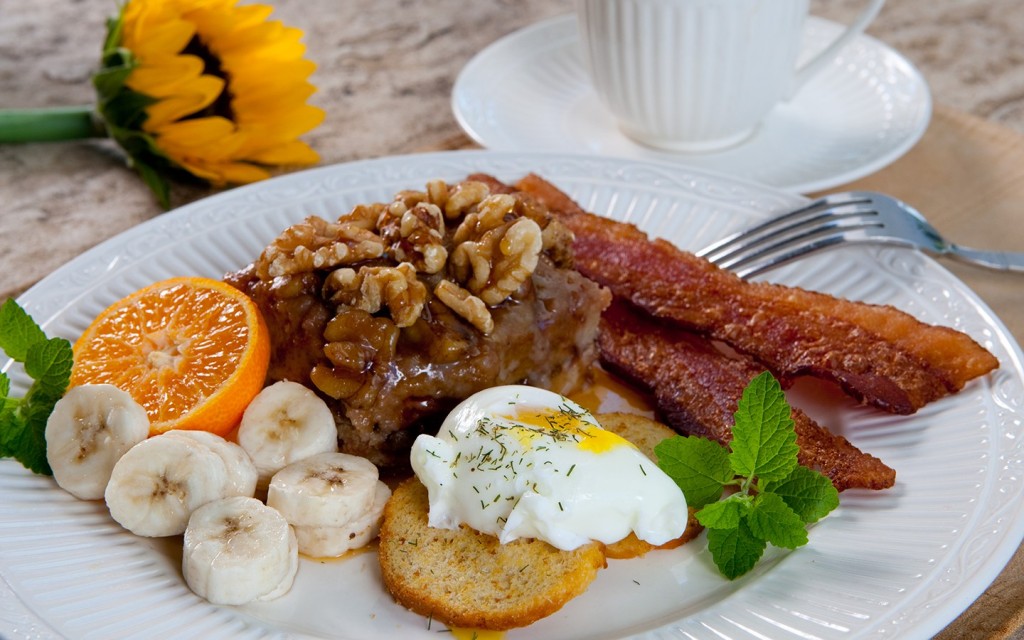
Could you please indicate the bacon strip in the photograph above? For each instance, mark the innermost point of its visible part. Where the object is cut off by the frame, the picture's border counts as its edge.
(697, 390)
(877, 353)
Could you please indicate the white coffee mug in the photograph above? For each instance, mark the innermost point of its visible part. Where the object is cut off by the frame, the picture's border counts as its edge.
(699, 75)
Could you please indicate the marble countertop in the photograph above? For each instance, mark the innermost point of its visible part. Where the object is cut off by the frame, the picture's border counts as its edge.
(385, 75)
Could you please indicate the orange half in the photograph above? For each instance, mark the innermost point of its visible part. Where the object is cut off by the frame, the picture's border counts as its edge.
(192, 351)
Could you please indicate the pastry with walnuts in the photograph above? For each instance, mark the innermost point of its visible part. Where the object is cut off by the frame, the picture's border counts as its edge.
(395, 312)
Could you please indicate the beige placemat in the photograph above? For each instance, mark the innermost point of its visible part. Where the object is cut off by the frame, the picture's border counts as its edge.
(966, 175)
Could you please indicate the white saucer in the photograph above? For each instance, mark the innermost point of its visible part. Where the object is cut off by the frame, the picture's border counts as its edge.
(529, 91)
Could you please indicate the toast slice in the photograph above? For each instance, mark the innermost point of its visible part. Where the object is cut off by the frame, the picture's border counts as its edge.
(468, 579)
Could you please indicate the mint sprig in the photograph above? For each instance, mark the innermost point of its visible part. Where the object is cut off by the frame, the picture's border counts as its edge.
(775, 497)
(48, 362)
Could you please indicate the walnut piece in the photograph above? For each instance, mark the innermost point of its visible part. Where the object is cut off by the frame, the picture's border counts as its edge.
(364, 216)
(497, 264)
(463, 197)
(415, 234)
(357, 343)
(465, 304)
(373, 287)
(317, 244)
(491, 213)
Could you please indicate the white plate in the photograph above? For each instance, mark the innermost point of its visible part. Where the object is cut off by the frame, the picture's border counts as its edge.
(898, 563)
(530, 92)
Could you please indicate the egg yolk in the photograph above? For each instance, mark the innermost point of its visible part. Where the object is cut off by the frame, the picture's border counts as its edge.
(562, 424)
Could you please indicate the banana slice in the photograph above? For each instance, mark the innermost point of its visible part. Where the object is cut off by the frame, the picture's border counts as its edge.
(238, 550)
(156, 485)
(325, 490)
(90, 428)
(284, 423)
(331, 542)
(242, 474)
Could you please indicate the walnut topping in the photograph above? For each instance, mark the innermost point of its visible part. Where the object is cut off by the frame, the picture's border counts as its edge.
(492, 212)
(416, 235)
(372, 288)
(464, 303)
(355, 342)
(437, 193)
(389, 257)
(364, 216)
(317, 244)
(495, 266)
(463, 197)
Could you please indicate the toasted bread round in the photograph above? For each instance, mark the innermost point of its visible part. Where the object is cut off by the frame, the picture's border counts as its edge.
(645, 434)
(468, 579)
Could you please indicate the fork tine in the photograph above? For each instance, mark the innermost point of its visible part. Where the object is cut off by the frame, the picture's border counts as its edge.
(837, 220)
(799, 231)
(821, 224)
(791, 249)
(740, 237)
(819, 210)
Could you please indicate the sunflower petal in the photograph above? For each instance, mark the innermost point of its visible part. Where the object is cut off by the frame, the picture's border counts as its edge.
(286, 123)
(163, 76)
(198, 95)
(291, 153)
(197, 132)
(162, 34)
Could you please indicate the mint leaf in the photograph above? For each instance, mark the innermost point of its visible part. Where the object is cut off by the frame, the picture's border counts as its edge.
(771, 519)
(735, 551)
(777, 497)
(699, 466)
(24, 443)
(725, 514)
(48, 362)
(763, 439)
(18, 331)
(810, 494)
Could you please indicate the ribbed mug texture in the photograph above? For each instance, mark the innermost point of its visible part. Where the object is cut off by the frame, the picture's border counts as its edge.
(691, 74)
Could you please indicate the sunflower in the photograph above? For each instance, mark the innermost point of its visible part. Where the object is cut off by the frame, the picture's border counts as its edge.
(193, 88)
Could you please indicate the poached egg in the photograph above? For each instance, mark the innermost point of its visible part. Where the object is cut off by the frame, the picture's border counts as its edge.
(522, 462)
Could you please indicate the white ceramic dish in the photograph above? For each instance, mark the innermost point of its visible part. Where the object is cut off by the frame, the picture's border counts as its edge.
(899, 563)
(529, 91)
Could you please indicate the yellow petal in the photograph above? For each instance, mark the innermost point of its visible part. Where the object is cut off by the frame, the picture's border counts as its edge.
(286, 124)
(165, 75)
(291, 153)
(165, 36)
(221, 173)
(198, 170)
(269, 99)
(245, 78)
(196, 132)
(242, 173)
(198, 95)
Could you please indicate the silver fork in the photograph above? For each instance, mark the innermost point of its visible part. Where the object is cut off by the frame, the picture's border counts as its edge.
(838, 219)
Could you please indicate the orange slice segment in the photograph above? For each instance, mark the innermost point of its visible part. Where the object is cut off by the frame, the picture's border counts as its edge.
(192, 351)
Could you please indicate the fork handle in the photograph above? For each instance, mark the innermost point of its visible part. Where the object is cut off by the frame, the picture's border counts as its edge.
(998, 260)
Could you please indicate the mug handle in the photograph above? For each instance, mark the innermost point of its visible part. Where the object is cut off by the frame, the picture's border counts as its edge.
(818, 62)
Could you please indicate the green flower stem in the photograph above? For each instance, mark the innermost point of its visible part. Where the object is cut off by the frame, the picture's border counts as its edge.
(50, 124)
